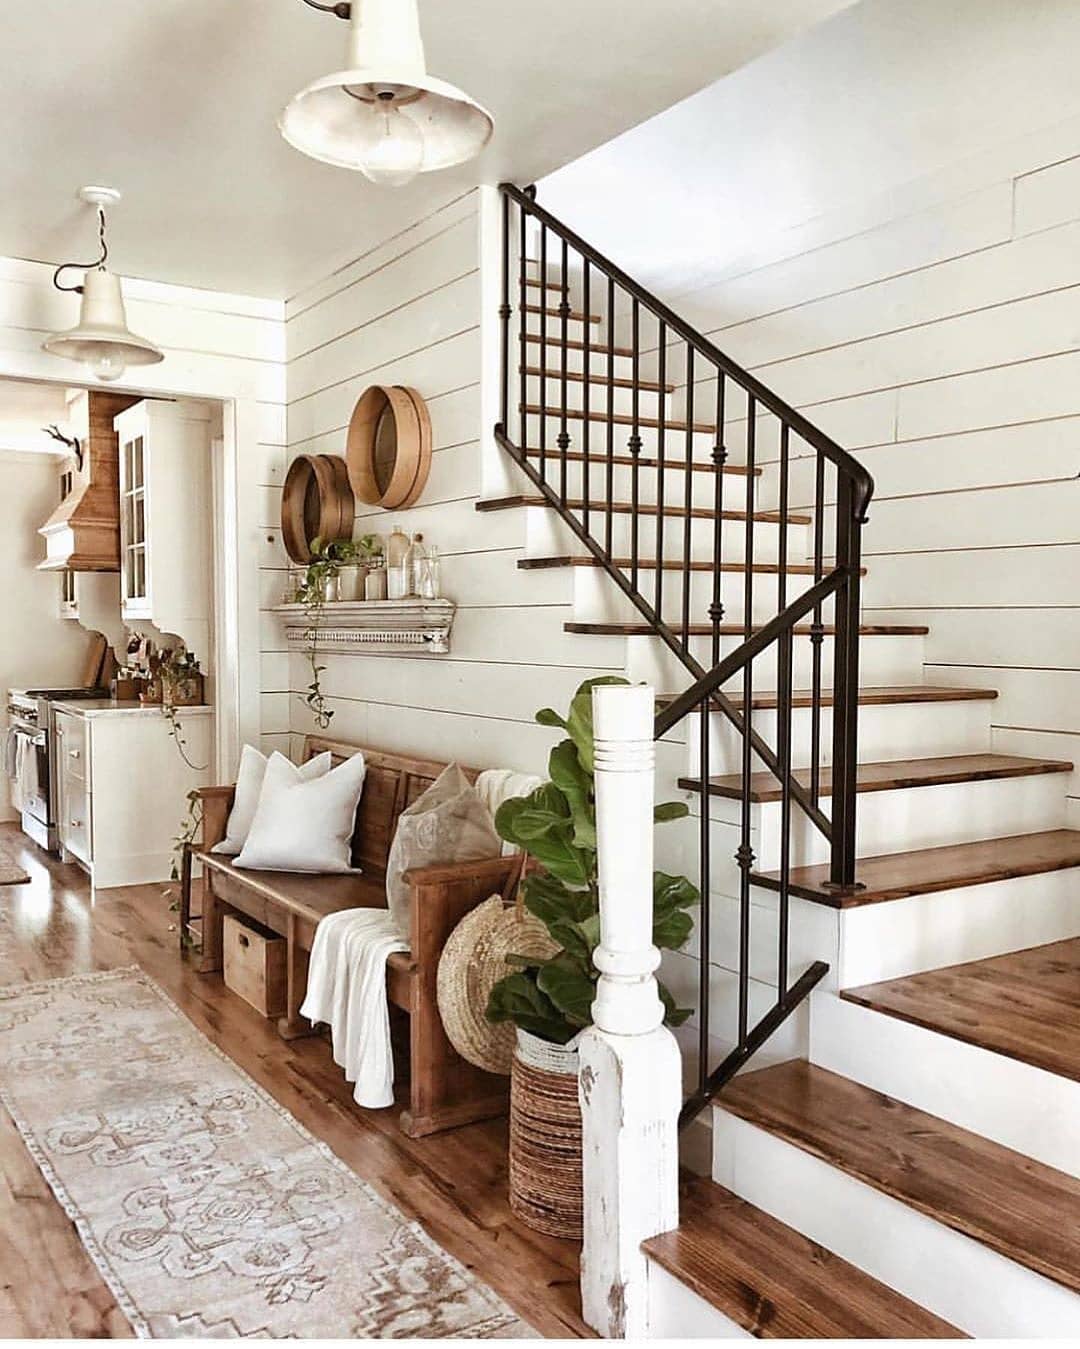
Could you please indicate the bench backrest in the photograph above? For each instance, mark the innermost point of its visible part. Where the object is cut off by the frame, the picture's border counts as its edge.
(392, 782)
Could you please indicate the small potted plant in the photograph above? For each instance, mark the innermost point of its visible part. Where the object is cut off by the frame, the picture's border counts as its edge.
(550, 1001)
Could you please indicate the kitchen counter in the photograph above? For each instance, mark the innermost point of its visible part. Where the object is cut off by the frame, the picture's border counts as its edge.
(100, 707)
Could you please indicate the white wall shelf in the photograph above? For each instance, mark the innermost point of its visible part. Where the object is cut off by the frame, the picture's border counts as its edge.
(374, 627)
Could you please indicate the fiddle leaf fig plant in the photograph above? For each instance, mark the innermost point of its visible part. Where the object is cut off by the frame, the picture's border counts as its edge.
(556, 826)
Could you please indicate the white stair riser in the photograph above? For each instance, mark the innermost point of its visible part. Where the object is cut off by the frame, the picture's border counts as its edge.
(1024, 1108)
(886, 731)
(950, 1274)
(597, 598)
(675, 441)
(905, 818)
(883, 660)
(622, 367)
(928, 932)
(677, 1313)
(550, 393)
(702, 485)
(547, 534)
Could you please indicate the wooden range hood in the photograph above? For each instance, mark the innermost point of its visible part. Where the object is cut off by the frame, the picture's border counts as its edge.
(83, 533)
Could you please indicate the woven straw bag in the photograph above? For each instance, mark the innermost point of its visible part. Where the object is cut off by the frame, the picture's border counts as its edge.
(473, 961)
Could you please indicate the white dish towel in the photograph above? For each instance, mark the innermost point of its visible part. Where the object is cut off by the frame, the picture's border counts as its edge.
(346, 990)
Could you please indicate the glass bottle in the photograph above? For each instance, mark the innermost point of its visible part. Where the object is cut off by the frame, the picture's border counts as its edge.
(414, 564)
(397, 579)
(429, 587)
(375, 582)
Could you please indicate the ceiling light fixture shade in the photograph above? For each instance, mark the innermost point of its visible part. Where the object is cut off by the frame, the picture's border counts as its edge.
(385, 116)
(101, 339)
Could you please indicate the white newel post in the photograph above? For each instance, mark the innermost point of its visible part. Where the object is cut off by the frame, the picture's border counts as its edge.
(630, 1082)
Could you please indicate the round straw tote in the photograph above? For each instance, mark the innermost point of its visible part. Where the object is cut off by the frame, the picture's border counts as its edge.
(473, 961)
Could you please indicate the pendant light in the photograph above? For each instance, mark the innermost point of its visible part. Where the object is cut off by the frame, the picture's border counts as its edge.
(385, 116)
(101, 340)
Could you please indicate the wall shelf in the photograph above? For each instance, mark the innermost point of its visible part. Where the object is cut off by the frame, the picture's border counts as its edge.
(374, 627)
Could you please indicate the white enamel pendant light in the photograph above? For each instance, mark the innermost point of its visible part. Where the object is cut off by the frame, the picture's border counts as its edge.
(101, 340)
(385, 116)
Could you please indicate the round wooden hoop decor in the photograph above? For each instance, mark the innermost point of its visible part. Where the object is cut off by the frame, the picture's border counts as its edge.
(317, 503)
(366, 448)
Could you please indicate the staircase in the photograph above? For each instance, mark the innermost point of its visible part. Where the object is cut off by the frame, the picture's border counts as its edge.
(892, 910)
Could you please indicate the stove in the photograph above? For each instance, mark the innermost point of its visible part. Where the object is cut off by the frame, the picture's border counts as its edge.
(30, 717)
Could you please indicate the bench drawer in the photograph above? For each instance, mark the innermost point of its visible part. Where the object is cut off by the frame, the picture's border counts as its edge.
(254, 961)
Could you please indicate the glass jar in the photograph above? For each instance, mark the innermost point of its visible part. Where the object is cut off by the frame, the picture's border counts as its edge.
(375, 583)
(397, 579)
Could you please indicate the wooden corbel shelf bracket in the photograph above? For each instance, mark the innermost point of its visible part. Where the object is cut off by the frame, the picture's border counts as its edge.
(374, 627)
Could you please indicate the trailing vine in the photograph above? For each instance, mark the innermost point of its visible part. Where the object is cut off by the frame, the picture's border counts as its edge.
(189, 829)
(176, 731)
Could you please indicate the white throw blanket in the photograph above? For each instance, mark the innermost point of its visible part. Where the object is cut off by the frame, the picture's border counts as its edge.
(347, 991)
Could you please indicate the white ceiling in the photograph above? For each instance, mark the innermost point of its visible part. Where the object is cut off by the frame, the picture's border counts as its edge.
(875, 97)
(175, 102)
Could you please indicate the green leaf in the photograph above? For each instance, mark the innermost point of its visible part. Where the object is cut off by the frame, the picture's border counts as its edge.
(549, 900)
(547, 716)
(671, 930)
(571, 991)
(518, 999)
(574, 941)
(579, 723)
(670, 810)
(576, 785)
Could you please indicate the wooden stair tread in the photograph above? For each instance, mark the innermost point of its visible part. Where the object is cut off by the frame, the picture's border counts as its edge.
(575, 315)
(894, 774)
(574, 344)
(599, 459)
(774, 1282)
(547, 285)
(578, 377)
(1024, 1210)
(649, 564)
(869, 697)
(928, 870)
(626, 507)
(617, 418)
(1022, 1005)
(738, 629)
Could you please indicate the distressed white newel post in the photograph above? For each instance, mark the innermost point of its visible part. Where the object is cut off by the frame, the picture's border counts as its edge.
(630, 1083)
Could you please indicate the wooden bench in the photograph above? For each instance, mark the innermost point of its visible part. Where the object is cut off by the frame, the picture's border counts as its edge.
(445, 1090)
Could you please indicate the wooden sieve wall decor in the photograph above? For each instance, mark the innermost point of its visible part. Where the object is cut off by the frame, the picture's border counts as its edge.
(388, 448)
(317, 503)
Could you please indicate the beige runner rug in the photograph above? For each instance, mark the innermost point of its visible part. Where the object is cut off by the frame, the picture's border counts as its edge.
(10, 871)
(207, 1208)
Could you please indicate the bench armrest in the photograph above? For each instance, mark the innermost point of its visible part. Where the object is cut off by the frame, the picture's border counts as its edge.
(442, 895)
(216, 804)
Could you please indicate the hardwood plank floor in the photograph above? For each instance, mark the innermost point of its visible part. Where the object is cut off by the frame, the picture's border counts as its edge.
(1023, 1004)
(453, 1183)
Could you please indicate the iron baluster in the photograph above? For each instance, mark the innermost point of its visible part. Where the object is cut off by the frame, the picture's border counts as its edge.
(610, 492)
(635, 438)
(586, 475)
(704, 913)
(845, 690)
(661, 449)
(745, 855)
(504, 319)
(688, 494)
(783, 733)
(719, 459)
(563, 441)
(543, 351)
(523, 336)
(817, 637)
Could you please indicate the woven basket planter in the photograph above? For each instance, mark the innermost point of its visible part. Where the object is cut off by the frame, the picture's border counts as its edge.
(545, 1137)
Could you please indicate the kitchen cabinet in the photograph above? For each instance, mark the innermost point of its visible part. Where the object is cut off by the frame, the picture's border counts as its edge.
(165, 519)
(123, 786)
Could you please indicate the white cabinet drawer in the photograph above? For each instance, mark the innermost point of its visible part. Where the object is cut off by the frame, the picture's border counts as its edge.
(75, 818)
(71, 741)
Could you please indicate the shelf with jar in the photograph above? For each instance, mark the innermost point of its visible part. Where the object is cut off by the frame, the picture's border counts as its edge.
(369, 595)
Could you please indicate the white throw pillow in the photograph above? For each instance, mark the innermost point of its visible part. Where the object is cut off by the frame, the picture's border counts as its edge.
(249, 781)
(496, 785)
(304, 826)
(449, 823)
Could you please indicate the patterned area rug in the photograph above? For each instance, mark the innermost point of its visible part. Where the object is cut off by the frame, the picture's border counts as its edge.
(10, 871)
(207, 1208)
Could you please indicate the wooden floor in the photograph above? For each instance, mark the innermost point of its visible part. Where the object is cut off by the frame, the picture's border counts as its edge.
(453, 1183)
(1023, 1004)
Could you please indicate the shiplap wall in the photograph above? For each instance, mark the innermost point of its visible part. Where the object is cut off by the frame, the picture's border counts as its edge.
(220, 346)
(410, 312)
(940, 342)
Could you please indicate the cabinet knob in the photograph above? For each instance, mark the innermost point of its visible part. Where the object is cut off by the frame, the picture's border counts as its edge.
(75, 824)
(74, 753)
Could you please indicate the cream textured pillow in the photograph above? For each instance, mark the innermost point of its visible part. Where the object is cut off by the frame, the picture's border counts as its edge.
(449, 823)
(304, 826)
(249, 781)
